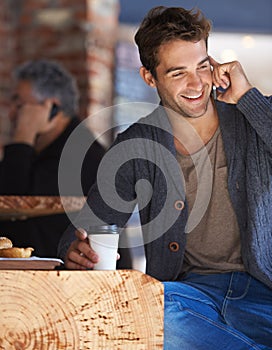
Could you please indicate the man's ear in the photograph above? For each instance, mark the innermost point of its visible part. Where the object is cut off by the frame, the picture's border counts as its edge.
(147, 77)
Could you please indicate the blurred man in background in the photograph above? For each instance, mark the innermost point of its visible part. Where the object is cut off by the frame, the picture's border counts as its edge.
(43, 114)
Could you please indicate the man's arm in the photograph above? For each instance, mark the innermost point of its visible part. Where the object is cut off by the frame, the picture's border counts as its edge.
(99, 210)
(256, 108)
(16, 168)
(258, 111)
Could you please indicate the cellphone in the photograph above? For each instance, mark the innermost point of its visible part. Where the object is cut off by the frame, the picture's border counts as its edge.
(54, 111)
(216, 90)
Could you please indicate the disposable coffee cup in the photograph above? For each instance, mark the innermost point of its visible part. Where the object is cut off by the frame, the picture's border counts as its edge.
(104, 241)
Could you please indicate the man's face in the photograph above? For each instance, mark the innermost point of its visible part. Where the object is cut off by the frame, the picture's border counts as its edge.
(184, 79)
(22, 94)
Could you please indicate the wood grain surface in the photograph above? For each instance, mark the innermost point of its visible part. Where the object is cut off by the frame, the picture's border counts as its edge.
(22, 207)
(79, 310)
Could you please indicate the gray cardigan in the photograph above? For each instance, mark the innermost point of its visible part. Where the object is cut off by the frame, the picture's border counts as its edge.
(145, 151)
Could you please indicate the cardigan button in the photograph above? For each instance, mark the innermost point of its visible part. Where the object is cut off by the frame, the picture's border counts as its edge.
(179, 205)
(173, 246)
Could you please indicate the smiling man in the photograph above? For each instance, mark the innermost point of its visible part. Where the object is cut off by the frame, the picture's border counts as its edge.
(206, 222)
(183, 82)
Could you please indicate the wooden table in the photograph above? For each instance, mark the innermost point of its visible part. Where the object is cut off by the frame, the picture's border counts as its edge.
(22, 207)
(78, 310)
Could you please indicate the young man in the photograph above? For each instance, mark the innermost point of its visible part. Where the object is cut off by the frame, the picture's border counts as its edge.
(206, 218)
(43, 115)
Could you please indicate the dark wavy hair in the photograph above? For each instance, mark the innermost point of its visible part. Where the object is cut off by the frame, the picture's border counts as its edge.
(163, 24)
(50, 79)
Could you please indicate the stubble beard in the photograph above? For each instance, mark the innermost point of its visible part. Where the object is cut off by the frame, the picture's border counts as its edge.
(184, 112)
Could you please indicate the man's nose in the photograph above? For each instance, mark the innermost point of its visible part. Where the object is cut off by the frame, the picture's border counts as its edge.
(194, 81)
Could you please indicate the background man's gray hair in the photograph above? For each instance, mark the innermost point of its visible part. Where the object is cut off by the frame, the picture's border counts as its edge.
(49, 79)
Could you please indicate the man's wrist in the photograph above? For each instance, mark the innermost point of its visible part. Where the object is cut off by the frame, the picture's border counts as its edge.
(21, 137)
(244, 93)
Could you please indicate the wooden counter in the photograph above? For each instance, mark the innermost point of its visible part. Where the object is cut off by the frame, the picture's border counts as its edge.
(80, 310)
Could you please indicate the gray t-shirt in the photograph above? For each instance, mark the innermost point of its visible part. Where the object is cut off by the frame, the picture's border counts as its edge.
(213, 238)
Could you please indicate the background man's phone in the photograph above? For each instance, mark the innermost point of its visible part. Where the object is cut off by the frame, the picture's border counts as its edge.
(54, 111)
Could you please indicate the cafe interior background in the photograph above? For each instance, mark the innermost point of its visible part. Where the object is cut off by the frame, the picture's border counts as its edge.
(93, 39)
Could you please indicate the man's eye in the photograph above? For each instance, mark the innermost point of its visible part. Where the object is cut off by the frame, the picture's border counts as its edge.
(177, 74)
(205, 66)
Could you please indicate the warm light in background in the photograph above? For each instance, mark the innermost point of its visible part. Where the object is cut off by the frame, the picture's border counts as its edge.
(248, 42)
(228, 55)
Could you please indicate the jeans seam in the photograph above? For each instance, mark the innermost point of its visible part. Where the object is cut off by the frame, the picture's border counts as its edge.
(170, 296)
(226, 299)
(241, 296)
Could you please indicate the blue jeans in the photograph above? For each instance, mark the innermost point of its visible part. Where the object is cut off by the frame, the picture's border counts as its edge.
(231, 311)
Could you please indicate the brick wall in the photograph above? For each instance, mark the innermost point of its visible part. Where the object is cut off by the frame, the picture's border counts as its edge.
(8, 30)
(80, 34)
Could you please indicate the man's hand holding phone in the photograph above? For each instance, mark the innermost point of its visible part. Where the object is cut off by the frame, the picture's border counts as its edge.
(230, 81)
(31, 120)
